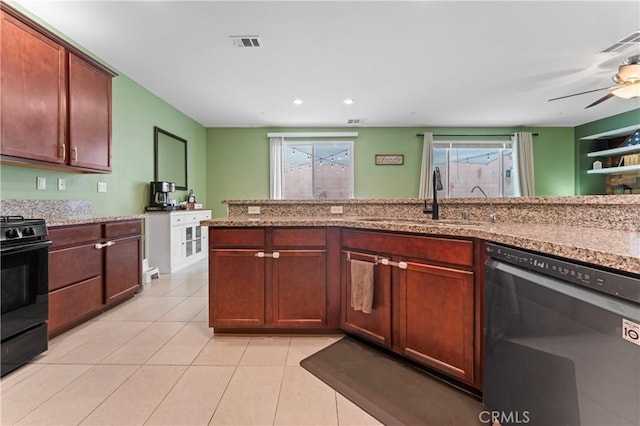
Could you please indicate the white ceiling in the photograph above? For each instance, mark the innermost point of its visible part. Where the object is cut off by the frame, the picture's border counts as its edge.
(417, 63)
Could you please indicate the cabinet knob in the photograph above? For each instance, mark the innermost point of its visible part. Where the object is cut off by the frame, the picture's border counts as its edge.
(401, 265)
(274, 255)
(101, 246)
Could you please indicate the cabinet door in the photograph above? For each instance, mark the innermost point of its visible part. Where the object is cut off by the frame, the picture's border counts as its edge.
(375, 326)
(33, 94)
(236, 288)
(437, 318)
(123, 268)
(299, 288)
(89, 115)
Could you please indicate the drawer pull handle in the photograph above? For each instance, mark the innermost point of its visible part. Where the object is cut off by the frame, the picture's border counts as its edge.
(401, 265)
(107, 244)
(274, 255)
(74, 154)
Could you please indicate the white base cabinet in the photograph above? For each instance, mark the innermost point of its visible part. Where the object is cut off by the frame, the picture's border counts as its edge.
(175, 239)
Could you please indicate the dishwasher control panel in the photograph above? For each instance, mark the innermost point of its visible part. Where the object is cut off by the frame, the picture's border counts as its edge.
(616, 284)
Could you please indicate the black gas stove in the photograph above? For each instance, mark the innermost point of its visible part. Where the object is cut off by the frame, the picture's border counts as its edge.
(24, 265)
(20, 230)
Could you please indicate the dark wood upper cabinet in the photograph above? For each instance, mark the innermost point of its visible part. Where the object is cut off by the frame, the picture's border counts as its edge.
(34, 70)
(89, 115)
(56, 101)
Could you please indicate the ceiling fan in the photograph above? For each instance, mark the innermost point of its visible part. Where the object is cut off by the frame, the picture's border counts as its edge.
(627, 83)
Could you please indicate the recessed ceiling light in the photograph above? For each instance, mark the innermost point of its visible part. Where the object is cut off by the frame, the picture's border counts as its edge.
(348, 101)
(297, 101)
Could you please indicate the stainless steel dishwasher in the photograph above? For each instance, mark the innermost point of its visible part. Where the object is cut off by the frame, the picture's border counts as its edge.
(561, 341)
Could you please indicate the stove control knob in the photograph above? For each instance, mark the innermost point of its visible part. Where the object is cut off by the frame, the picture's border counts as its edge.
(28, 231)
(12, 233)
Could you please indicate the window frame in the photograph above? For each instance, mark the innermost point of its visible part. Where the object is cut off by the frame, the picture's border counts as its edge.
(500, 145)
(295, 141)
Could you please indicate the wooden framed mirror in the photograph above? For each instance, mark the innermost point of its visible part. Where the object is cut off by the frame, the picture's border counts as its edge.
(170, 158)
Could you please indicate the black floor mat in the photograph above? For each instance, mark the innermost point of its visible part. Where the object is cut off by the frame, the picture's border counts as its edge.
(390, 390)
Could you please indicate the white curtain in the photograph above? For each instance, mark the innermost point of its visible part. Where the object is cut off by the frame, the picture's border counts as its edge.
(275, 169)
(426, 169)
(522, 143)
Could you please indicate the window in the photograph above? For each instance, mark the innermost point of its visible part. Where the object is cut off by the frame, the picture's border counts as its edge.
(463, 165)
(317, 170)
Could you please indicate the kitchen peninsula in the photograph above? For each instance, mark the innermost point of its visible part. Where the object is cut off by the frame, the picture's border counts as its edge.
(287, 269)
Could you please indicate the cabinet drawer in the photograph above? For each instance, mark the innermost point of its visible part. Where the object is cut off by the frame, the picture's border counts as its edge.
(236, 237)
(121, 229)
(178, 219)
(66, 236)
(444, 250)
(74, 264)
(189, 218)
(70, 304)
(297, 237)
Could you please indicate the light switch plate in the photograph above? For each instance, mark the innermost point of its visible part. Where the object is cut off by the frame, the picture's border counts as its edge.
(41, 183)
(337, 210)
(62, 184)
(102, 186)
(253, 210)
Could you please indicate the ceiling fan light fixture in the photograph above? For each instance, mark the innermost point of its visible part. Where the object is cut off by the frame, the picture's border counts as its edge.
(629, 91)
(627, 73)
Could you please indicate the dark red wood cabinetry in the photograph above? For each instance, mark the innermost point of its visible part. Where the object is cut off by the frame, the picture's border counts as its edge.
(33, 97)
(89, 115)
(273, 278)
(375, 326)
(56, 101)
(426, 302)
(92, 268)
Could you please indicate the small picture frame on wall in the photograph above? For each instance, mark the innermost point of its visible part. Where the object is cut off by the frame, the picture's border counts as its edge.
(389, 159)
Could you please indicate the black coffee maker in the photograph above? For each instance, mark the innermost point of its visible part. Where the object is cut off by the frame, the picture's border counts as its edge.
(159, 195)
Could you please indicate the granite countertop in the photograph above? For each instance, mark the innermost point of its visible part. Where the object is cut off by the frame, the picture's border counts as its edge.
(83, 220)
(604, 247)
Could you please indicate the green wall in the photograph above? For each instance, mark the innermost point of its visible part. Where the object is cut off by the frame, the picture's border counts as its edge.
(595, 184)
(238, 161)
(135, 111)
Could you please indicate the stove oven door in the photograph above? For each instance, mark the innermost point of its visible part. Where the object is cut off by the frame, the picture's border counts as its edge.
(24, 282)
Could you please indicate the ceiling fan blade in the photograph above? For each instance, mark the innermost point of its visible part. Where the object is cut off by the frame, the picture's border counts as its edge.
(602, 99)
(589, 91)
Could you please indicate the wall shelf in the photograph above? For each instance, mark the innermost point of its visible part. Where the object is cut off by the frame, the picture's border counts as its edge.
(610, 170)
(615, 151)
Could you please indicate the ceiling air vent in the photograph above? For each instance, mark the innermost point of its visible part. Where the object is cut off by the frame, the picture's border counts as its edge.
(630, 40)
(246, 41)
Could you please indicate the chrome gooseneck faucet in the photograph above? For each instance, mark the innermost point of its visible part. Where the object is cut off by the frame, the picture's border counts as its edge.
(434, 204)
(492, 216)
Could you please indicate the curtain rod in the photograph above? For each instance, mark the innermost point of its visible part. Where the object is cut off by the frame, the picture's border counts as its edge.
(422, 134)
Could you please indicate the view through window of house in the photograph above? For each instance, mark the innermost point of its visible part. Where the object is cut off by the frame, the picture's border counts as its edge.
(464, 165)
(317, 170)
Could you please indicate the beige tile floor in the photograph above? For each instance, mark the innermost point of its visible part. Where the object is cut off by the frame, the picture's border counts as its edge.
(154, 360)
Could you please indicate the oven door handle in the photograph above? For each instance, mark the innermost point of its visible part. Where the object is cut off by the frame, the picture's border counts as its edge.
(21, 248)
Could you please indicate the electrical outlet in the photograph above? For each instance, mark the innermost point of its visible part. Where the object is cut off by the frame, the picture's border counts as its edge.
(62, 184)
(41, 183)
(102, 186)
(253, 210)
(337, 210)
